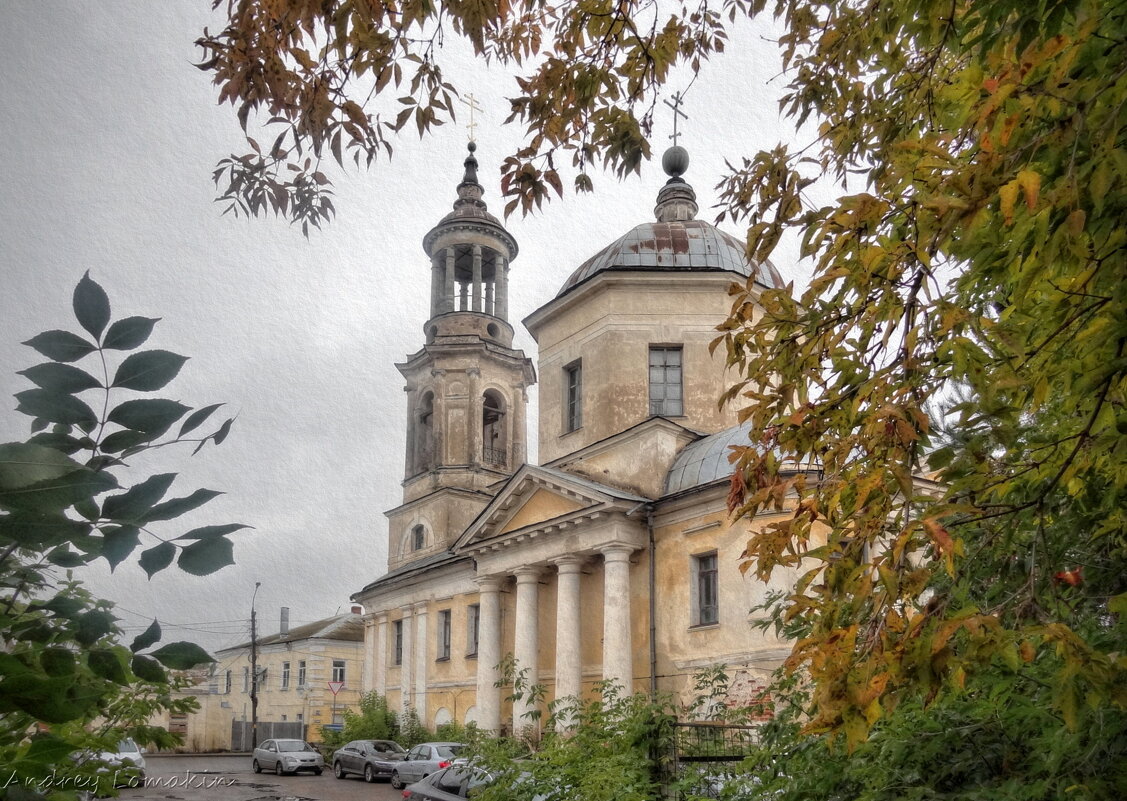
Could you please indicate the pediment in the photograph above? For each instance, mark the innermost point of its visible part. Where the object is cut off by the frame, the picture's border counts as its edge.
(540, 500)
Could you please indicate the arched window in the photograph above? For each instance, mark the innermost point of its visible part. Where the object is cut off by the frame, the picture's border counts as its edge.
(494, 448)
(424, 434)
(418, 538)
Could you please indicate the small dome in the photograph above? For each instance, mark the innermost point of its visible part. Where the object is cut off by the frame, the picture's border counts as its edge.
(705, 460)
(679, 245)
(676, 241)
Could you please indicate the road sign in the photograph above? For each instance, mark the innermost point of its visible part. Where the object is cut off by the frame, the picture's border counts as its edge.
(336, 686)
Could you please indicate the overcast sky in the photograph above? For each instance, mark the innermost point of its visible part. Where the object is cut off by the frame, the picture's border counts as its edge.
(108, 136)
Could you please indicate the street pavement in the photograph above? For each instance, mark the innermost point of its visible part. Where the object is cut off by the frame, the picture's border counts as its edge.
(224, 777)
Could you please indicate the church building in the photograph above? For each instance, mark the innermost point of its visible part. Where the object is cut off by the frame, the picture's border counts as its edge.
(611, 556)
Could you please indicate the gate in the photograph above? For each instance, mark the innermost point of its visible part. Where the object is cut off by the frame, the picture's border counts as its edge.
(240, 732)
(707, 755)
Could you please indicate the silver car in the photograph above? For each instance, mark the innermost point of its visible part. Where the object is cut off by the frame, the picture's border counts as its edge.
(423, 760)
(287, 756)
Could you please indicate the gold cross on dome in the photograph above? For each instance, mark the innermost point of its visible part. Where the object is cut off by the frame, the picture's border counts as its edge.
(471, 101)
(676, 106)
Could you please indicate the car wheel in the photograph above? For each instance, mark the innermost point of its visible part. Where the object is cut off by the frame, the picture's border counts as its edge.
(396, 782)
(316, 771)
(278, 768)
(338, 770)
(369, 774)
(256, 767)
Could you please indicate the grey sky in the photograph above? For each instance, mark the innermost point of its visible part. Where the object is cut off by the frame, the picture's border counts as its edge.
(108, 136)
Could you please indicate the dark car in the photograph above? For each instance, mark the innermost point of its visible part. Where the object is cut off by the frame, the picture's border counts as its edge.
(423, 760)
(368, 758)
(449, 784)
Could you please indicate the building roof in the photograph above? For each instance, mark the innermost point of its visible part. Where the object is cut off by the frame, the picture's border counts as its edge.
(676, 241)
(348, 627)
(705, 460)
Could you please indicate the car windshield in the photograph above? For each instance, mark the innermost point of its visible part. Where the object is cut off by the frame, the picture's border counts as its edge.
(448, 751)
(388, 745)
(127, 746)
(294, 745)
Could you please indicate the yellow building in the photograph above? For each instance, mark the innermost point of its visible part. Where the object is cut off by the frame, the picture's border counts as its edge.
(298, 669)
(614, 557)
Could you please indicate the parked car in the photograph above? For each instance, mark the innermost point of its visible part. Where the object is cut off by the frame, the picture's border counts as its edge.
(287, 756)
(449, 784)
(125, 766)
(368, 758)
(423, 760)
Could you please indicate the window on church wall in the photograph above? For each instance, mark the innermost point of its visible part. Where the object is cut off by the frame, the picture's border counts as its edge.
(418, 538)
(285, 675)
(706, 590)
(424, 440)
(665, 381)
(443, 635)
(397, 633)
(246, 680)
(227, 683)
(573, 396)
(301, 673)
(473, 618)
(494, 450)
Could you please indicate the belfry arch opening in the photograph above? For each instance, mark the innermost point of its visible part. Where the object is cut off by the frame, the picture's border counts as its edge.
(423, 440)
(494, 438)
(469, 278)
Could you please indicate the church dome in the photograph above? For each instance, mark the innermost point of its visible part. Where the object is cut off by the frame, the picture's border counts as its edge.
(675, 241)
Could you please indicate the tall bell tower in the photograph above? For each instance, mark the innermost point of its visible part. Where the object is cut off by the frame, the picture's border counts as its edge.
(467, 387)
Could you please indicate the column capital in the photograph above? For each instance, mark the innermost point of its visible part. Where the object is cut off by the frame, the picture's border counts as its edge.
(489, 583)
(420, 608)
(407, 610)
(569, 564)
(379, 617)
(528, 574)
(617, 552)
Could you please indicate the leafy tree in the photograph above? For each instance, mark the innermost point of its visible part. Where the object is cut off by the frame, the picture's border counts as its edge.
(67, 682)
(373, 721)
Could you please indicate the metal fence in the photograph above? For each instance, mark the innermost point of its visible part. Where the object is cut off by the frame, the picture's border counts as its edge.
(240, 732)
(706, 755)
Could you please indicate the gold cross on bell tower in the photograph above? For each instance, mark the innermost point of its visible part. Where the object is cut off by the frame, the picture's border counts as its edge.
(471, 101)
(676, 106)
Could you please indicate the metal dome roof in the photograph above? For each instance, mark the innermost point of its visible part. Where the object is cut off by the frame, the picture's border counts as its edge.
(705, 460)
(678, 245)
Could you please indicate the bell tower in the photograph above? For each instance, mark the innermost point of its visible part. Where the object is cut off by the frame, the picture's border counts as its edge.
(467, 387)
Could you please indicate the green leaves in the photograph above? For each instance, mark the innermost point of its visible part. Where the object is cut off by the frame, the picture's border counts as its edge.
(61, 346)
(150, 636)
(129, 333)
(150, 417)
(205, 556)
(181, 655)
(61, 378)
(132, 504)
(91, 306)
(148, 371)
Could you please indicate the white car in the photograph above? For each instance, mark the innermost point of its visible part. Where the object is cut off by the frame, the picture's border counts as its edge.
(287, 756)
(125, 767)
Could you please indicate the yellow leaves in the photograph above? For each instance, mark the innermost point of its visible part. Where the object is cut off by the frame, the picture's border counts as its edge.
(1028, 182)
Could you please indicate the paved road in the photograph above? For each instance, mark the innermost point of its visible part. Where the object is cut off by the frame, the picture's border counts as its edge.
(229, 778)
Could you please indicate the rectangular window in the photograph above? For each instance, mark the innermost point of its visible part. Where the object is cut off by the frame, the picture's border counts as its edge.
(707, 601)
(473, 617)
(227, 683)
(444, 634)
(573, 396)
(246, 680)
(338, 670)
(260, 680)
(665, 381)
(285, 675)
(399, 642)
(301, 673)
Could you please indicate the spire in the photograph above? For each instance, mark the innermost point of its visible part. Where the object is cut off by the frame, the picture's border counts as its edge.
(676, 201)
(469, 190)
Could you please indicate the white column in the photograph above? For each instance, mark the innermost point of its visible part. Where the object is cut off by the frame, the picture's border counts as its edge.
(501, 278)
(421, 661)
(618, 662)
(489, 653)
(569, 641)
(526, 642)
(379, 679)
(476, 278)
(448, 282)
(473, 438)
(406, 686)
(368, 674)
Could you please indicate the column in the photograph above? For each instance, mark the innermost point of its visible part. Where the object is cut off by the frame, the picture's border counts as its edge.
(477, 278)
(569, 641)
(368, 674)
(421, 661)
(437, 279)
(618, 663)
(379, 681)
(473, 440)
(489, 653)
(407, 700)
(501, 277)
(526, 642)
(448, 282)
(520, 401)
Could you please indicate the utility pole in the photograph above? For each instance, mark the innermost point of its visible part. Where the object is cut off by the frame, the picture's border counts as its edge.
(253, 673)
